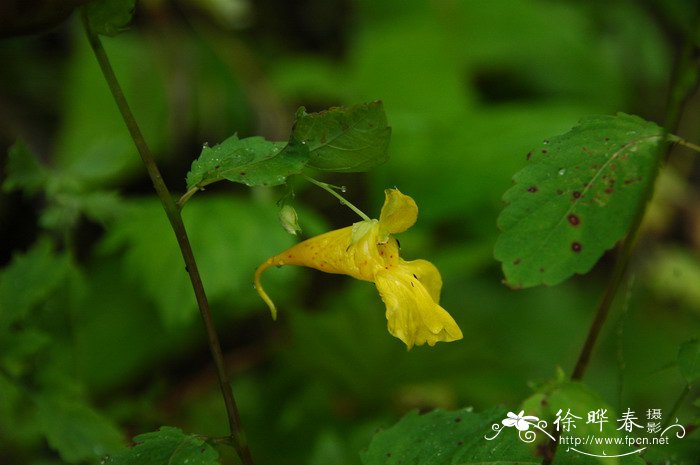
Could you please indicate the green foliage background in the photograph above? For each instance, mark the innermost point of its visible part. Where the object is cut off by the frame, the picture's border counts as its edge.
(98, 325)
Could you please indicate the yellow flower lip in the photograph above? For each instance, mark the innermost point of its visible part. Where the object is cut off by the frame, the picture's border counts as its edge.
(366, 251)
(399, 212)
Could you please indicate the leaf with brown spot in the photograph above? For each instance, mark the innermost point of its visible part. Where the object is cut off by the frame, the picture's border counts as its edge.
(592, 165)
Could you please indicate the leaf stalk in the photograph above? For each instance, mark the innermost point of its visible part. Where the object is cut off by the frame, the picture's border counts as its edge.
(332, 190)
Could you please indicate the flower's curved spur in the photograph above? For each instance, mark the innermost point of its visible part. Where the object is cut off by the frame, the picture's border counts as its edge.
(366, 251)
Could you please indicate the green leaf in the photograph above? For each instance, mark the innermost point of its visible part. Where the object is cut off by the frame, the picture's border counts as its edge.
(252, 161)
(564, 397)
(344, 139)
(29, 279)
(76, 430)
(445, 438)
(577, 196)
(167, 446)
(689, 360)
(339, 139)
(24, 171)
(110, 17)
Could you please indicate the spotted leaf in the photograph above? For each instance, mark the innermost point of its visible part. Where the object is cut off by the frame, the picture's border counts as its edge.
(576, 197)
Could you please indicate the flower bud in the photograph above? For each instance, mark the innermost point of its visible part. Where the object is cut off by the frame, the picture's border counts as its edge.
(289, 220)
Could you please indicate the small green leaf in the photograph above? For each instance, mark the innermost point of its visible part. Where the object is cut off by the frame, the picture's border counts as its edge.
(445, 438)
(75, 430)
(167, 446)
(252, 161)
(29, 279)
(345, 139)
(576, 198)
(339, 139)
(689, 360)
(110, 17)
(24, 171)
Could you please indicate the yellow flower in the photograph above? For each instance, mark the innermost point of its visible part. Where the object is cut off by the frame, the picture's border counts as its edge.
(366, 251)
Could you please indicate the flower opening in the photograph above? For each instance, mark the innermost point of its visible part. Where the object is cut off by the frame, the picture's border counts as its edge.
(366, 251)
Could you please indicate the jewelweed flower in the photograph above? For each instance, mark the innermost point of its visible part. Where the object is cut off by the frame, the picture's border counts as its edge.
(367, 251)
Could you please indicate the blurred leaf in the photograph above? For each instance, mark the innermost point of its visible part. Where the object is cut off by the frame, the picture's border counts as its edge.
(113, 317)
(230, 238)
(17, 426)
(672, 273)
(101, 206)
(576, 198)
(24, 171)
(65, 207)
(110, 17)
(17, 347)
(344, 139)
(689, 360)
(563, 397)
(410, 62)
(252, 161)
(445, 438)
(65, 191)
(76, 430)
(29, 279)
(92, 142)
(167, 446)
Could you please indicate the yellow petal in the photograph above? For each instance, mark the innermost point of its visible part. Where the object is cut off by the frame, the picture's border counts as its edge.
(428, 275)
(398, 213)
(334, 252)
(412, 313)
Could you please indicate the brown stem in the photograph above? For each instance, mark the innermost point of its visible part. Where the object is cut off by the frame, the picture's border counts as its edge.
(685, 83)
(237, 437)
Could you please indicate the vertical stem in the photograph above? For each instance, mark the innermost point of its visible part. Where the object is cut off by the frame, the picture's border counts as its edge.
(603, 309)
(684, 84)
(237, 436)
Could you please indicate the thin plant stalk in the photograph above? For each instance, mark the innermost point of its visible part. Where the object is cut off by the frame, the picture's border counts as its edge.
(683, 89)
(331, 190)
(237, 435)
(684, 84)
